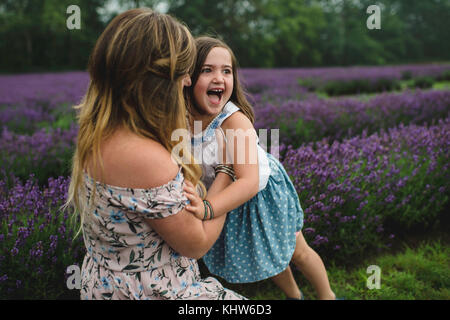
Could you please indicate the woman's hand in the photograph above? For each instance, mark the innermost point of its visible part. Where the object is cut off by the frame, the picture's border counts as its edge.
(196, 206)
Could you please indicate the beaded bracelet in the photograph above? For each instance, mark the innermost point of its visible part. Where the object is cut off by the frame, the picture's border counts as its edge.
(206, 210)
(225, 169)
(206, 203)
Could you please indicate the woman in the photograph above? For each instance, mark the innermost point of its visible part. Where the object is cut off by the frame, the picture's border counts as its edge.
(127, 187)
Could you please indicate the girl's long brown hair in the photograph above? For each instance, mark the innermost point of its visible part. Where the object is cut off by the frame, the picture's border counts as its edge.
(136, 69)
(204, 45)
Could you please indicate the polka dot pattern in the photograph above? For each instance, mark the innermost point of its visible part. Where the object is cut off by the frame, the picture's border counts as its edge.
(258, 239)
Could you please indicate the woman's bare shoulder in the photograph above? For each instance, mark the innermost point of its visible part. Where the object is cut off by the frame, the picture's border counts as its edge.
(136, 162)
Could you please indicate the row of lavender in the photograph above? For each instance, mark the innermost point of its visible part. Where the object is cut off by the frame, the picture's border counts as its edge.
(313, 119)
(350, 190)
(37, 137)
(47, 153)
(36, 240)
(265, 78)
(294, 83)
(353, 190)
(53, 89)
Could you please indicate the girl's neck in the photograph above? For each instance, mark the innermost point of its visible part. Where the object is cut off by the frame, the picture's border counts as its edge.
(204, 119)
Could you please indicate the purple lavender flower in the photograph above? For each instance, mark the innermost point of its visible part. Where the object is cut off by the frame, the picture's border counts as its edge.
(311, 120)
(48, 90)
(390, 198)
(352, 201)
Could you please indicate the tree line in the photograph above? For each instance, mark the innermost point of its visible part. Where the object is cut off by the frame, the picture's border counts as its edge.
(262, 33)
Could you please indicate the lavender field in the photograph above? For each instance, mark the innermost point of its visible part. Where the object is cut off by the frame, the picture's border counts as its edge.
(367, 149)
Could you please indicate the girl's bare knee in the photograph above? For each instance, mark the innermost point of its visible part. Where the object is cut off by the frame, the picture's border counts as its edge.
(300, 254)
(302, 249)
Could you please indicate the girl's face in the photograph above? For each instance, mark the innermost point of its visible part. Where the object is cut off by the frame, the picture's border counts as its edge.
(215, 82)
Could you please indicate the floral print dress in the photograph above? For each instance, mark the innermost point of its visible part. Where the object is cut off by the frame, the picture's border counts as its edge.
(126, 259)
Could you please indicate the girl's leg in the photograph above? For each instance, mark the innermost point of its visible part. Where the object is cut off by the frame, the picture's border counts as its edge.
(286, 282)
(312, 267)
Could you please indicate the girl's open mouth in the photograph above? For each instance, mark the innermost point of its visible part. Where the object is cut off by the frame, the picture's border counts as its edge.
(215, 95)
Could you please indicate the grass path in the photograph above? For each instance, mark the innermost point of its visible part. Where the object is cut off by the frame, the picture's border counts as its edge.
(439, 85)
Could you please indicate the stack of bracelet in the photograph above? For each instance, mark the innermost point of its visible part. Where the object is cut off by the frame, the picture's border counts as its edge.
(219, 168)
(225, 169)
(208, 205)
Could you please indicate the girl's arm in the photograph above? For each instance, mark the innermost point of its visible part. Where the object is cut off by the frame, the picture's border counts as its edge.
(243, 155)
(221, 181)
(242, 148)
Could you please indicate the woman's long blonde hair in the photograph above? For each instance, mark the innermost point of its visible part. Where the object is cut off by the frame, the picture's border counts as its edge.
(136, 69)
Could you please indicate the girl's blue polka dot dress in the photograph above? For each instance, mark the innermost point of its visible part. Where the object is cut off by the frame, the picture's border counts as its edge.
(259, 237)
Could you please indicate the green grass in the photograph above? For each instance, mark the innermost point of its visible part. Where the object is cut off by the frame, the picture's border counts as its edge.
(443, 85)
(439, 85)
(421, 273)
(415, 274)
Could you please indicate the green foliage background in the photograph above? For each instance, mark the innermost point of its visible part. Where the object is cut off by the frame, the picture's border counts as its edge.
(263, 33)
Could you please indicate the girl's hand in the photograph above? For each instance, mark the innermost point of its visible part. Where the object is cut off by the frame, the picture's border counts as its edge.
(196, 206)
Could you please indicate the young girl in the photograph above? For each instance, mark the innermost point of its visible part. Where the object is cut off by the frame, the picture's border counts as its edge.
(262, 235)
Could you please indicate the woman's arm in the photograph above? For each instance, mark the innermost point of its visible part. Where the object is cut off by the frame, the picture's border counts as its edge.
(188, 235)
(136, 162)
